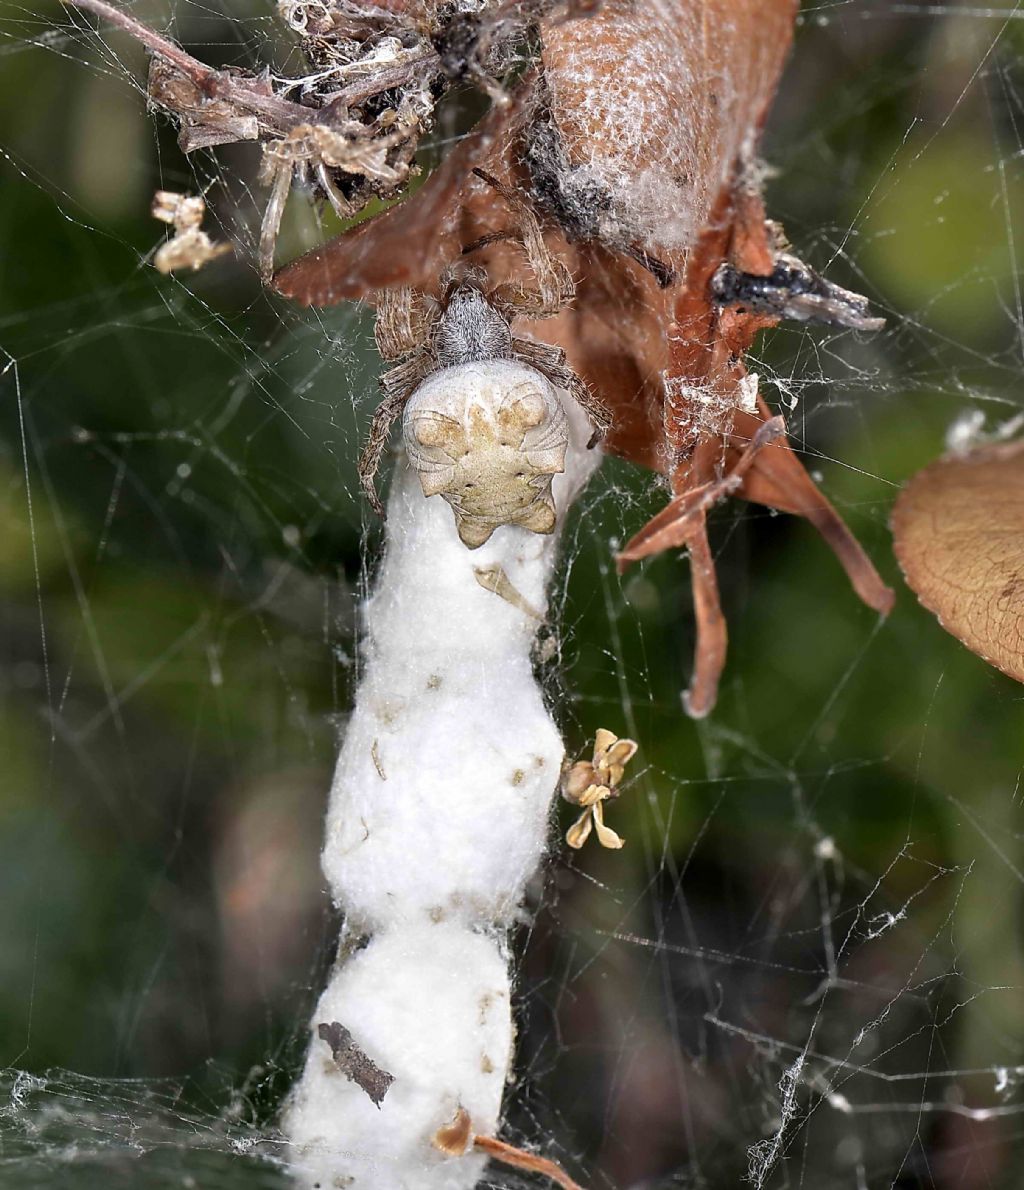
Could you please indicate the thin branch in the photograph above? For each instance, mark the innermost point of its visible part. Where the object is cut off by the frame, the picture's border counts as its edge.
(382, 80)
(253, 94)
(197, 71)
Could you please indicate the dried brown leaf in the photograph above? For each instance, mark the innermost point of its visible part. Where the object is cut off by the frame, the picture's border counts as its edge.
(410, 244)
(779, 480)
(455, 1139)
(958, 528)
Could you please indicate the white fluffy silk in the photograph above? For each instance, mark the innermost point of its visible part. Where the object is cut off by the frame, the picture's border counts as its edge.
(439, 815)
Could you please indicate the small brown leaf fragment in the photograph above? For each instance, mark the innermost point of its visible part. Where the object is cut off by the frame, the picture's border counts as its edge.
(354, 1063)
(958, 528)
(455, 1139)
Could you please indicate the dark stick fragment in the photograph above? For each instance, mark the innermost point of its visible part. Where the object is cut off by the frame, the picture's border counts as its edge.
(205, 122)
(661, 272)
(353, 1063)
(793, 290)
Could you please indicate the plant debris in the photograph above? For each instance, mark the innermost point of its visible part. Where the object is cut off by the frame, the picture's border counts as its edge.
(190, 247)
(793, 290)
(590, 783)
(494, 578)
(457, 1139)
(354, 1063)
(349, 127)
(638, 153)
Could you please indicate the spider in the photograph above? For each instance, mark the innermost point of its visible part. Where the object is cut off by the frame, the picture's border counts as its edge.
(471, 323)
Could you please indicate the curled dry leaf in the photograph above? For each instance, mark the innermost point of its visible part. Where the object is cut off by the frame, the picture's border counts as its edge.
(958, 528)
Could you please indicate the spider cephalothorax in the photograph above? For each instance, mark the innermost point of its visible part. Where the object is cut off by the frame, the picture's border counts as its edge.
(484, 425)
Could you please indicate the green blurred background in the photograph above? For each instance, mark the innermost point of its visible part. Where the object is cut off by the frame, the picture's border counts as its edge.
(832, 861)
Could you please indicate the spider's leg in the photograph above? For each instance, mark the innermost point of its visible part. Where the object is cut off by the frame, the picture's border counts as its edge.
(380, 428)
(555, 285)
(545, 357)
(339, 203)
(403, 319)
(591, 404)
(492, 237)
(550, 362)
(398, 384)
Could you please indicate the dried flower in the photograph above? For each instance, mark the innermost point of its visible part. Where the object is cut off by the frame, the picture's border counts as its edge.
(590, 783)
(190, 246)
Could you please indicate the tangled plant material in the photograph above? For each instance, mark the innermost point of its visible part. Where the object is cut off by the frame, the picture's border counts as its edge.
(636, 139)
(349, 128)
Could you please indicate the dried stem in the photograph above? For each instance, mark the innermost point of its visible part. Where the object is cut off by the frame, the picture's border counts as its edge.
(197, 71)
(508, 1154)
(253, 94)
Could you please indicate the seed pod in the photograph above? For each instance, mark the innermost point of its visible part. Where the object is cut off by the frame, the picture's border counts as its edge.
(958, 528)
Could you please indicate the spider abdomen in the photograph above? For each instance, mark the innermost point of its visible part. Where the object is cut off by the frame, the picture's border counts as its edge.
(487, 437)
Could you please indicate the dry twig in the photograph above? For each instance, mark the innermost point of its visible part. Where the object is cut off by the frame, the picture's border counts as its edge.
(457, 1138)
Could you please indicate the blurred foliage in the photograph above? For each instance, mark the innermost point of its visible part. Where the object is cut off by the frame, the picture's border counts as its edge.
(179, 586)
